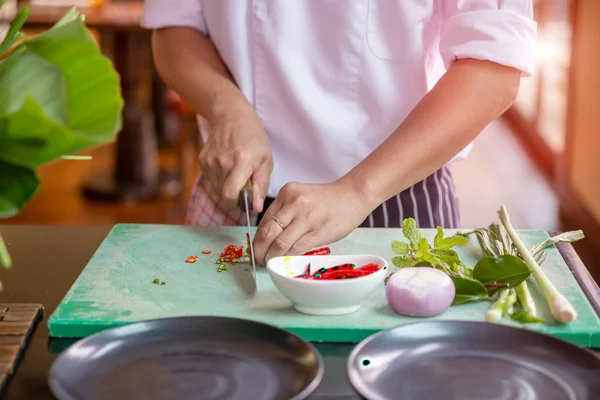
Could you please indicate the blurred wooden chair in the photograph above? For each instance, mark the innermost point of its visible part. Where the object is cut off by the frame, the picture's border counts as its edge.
(188, 143)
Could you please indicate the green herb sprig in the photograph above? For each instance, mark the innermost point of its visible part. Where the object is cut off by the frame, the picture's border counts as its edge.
(495, 242)
(491, 274)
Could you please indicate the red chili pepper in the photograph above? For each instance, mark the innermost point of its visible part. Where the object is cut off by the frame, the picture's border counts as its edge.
(369, 267)
(205, 251)
(306, 274)
(344, 274)
(341, 267)
(323, 251)
(191, 259)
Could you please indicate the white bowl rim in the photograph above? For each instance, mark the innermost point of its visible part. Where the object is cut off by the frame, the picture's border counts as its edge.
(328, 281)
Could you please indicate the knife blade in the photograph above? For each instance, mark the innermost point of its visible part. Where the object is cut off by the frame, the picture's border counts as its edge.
(247, 190)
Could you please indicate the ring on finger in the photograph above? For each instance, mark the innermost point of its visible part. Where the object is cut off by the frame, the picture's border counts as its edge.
(278, 222)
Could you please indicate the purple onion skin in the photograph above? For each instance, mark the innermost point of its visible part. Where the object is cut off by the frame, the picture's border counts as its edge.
(409, 295)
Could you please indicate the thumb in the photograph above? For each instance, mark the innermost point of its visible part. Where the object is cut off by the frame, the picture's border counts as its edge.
(260, 184)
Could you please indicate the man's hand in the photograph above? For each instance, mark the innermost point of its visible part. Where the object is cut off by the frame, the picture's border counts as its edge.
(312, 215)
(237, 149)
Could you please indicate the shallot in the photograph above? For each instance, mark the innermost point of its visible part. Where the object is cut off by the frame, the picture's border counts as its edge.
(420, 291)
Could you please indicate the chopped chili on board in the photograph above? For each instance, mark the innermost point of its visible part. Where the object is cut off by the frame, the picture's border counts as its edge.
(206, 251)
(191, 259)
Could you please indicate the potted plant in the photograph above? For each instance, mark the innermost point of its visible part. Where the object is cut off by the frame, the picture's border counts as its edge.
(59, 95)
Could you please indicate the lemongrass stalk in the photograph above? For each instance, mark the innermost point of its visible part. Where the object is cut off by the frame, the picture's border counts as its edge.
(526, 300)
(560, 307)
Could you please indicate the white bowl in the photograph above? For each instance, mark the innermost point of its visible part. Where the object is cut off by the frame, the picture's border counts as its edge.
(326, 297)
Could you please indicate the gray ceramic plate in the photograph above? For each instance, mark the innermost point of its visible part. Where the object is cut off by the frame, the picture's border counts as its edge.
(471, 360)
(188, 358)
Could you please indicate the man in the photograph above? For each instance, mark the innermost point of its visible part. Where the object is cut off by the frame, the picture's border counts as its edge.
(341, 113)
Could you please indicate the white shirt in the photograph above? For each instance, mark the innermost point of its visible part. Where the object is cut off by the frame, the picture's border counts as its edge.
(332, 79)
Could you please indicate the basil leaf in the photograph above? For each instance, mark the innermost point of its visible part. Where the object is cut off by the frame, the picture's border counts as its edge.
(447, 256)
(400, 248)
(438, 236)
(468, 290)
(424, 264)
(410, 231)
(422, 248)
(503, 269)
(451, 241)
(403, 261)
(524, 318)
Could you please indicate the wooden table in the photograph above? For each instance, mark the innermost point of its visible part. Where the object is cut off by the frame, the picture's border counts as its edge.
(48, 259)
(136, 174)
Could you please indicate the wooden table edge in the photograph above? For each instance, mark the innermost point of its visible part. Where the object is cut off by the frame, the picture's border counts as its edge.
(582, 275)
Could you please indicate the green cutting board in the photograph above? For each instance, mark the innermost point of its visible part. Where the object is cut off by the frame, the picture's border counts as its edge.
(116, 288)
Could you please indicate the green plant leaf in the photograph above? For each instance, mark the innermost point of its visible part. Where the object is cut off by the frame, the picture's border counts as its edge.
(94, 104)
(403, 261)
(14, 31)
(468, 290)
(22, 145)
(503, 269)
(524, 318)
(400, 248)
(17, 185)
(447, 256)
(423, 248)
(424, 264)
(411, 232)
(438, 236)
(451, 241)
(60, 95)
(69, 16)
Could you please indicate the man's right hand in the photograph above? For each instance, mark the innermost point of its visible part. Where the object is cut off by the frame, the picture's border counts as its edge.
(237, 150)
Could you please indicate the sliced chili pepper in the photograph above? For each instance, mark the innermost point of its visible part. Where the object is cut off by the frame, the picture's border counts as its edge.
(323, 251)
(341, 267)
(206, 251)
(369, 267)
(306, 273)
(191, 259)
(345, 274)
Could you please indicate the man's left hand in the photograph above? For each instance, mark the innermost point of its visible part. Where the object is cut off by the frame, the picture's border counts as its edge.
(305, 216)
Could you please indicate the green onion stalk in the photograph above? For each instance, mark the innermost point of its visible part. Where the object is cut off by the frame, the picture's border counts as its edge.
(502, 306)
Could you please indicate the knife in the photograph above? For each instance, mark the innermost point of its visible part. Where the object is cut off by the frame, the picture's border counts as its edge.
(246, 208)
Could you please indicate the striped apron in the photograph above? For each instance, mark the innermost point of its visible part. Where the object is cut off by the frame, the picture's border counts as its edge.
(431, 202)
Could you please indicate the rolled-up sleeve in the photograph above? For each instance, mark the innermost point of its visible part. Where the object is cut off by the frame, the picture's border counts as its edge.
(501, 31)
(166, 13)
